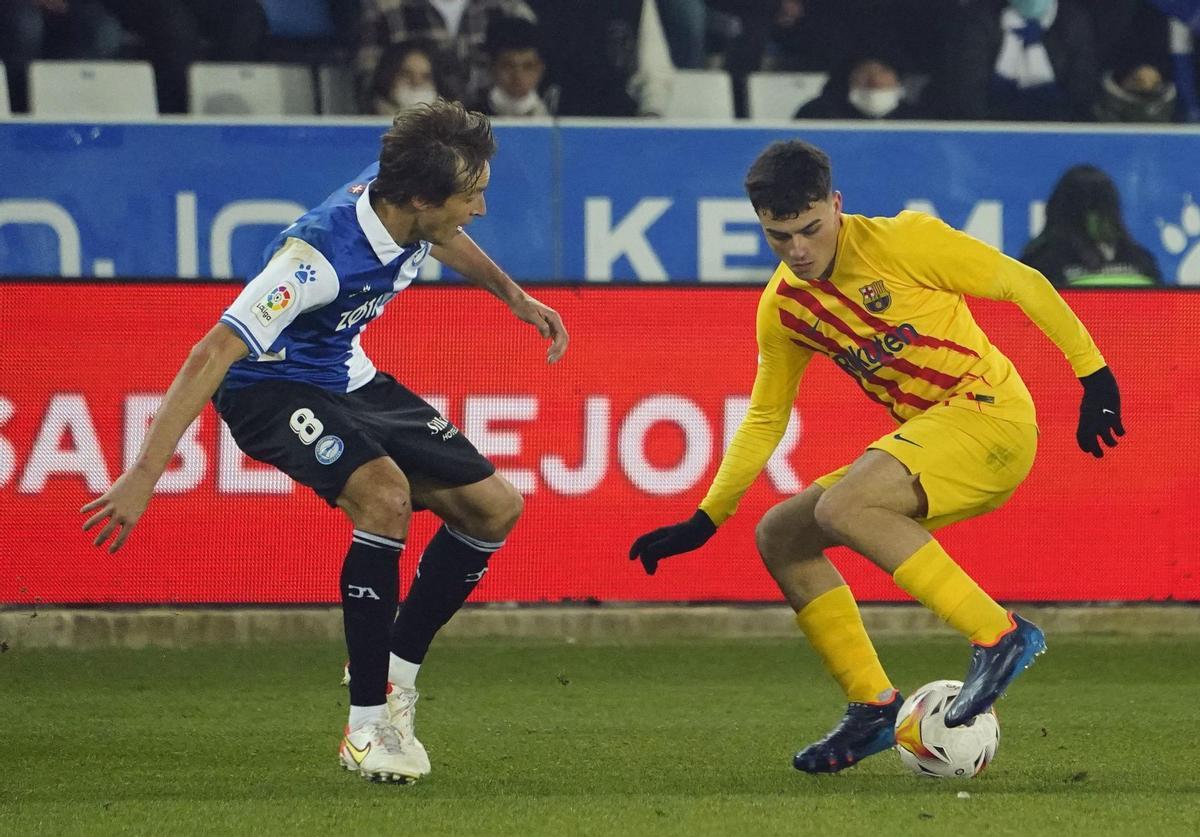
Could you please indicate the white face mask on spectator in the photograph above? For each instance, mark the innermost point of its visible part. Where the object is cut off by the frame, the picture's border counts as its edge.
(505, 105)
(875, 102)
(407, 96)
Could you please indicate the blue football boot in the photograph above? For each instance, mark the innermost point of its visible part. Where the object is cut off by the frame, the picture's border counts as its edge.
(865, 729)
(993, 668)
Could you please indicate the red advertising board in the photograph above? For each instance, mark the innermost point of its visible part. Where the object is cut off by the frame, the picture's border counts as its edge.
(621, 436)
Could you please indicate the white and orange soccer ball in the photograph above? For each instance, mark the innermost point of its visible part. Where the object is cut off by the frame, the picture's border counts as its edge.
(929, 748)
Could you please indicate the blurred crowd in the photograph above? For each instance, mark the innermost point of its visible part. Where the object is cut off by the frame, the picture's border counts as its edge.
(1056, 60)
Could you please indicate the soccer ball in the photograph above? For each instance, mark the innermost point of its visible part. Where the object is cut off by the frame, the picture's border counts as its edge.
(929, 748)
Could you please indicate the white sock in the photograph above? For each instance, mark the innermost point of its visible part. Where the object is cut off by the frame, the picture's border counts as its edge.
(360, 716)
(402, 672)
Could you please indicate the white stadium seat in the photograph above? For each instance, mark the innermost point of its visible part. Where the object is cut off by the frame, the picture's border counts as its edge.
(82, 89)
(700, 94)
(780, 95)
(336, 85)
(5, 107)
(250, 89)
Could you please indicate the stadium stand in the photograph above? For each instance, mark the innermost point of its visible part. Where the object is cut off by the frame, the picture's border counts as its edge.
(700, 94)
(335, 86)
(72, 89)
(780, 95)
(245, 89)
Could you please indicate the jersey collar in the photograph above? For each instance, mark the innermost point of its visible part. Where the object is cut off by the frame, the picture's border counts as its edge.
(386, 250)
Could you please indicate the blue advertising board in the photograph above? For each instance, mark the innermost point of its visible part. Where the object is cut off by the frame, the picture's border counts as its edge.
(579, 201)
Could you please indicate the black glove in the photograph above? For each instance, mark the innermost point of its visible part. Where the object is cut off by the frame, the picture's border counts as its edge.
(652, 547)
(1099, 412)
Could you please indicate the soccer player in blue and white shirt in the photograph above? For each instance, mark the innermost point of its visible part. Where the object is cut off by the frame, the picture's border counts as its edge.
(286, 372)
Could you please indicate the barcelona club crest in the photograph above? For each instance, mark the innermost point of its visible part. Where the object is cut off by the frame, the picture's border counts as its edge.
(875, 296)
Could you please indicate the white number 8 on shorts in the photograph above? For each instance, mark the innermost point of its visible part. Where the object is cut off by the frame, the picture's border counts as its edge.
(305, 425)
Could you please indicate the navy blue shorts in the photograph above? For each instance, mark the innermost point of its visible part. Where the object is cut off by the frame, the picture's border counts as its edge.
(319, 438)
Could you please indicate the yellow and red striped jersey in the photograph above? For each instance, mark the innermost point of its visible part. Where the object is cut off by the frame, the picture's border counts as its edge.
(893, 317)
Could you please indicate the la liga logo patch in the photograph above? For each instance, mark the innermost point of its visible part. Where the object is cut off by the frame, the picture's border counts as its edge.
(274, 302)
(279, 298)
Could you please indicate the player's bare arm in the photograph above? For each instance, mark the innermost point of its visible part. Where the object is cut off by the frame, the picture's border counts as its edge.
(122, 505)
(465, 257)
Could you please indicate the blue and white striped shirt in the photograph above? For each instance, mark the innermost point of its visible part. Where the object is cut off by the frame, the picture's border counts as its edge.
(323, 279)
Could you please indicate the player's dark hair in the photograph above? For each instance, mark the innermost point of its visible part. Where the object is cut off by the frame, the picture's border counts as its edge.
(433, 151)
(788, 177)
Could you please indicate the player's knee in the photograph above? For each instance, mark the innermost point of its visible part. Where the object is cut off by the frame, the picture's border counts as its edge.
(769, 536)
(834, 511)
(783, 538)
(493, 521)
(505, 512)
(385, 510)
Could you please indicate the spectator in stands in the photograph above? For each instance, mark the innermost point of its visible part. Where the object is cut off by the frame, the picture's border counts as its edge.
(608, 59)
(869, 89)
(457, 29)
(817, 36)
(70, 29)
(1136, 91)
(404, 78)
(1085, 242)
(176, 33)
(1137, 83)
(517, 70)
(1021, 59)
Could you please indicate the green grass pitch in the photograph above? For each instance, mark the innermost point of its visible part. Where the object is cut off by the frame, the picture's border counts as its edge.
(531, 738)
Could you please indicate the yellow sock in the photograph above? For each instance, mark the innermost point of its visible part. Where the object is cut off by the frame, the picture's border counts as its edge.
(931, 577)
(834, 626)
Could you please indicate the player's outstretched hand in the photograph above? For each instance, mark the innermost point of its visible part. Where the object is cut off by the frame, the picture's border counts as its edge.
(691, 534)
(119, 509)
(1099, 412)
(546, 320)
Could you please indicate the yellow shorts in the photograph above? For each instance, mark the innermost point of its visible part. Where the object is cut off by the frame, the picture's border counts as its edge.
(969, 463)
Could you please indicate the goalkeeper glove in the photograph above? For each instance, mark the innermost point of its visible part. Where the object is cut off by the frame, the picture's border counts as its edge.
(1099, 412)
(691, 534)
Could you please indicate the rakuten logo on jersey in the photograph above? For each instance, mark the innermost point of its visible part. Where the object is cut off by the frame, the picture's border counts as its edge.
(863, 360)
(369, 309)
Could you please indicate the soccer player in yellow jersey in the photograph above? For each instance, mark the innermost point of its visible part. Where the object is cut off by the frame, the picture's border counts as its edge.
(884, 299)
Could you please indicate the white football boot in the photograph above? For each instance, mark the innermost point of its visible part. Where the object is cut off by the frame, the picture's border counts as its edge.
(402, 709)
(374, 752)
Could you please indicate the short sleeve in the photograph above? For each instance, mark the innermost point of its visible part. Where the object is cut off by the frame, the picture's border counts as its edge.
(297, 279)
